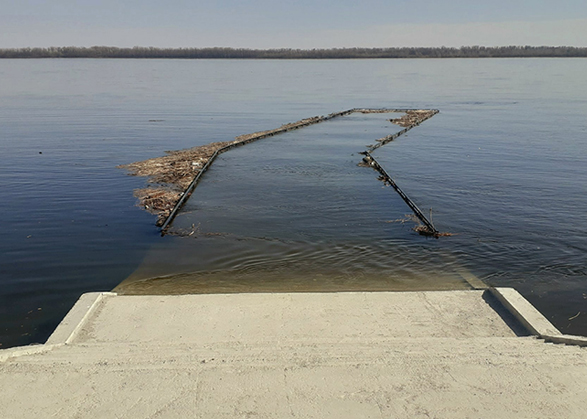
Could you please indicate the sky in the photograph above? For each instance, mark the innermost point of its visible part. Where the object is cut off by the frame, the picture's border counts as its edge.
(291, 23)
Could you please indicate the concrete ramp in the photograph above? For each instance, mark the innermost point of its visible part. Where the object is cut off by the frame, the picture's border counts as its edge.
(453, 354)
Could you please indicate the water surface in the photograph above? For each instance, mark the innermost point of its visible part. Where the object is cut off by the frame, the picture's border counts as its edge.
(502, 167)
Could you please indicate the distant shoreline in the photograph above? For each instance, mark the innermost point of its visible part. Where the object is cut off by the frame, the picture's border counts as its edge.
(285, 53)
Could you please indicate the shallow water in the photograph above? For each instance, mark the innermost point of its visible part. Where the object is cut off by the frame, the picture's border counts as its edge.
(502, 167)
(291, 208)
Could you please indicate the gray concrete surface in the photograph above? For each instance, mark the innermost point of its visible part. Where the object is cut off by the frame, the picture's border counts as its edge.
(329, 355)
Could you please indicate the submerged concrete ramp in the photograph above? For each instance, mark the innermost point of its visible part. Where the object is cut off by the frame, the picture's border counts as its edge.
(453, 354)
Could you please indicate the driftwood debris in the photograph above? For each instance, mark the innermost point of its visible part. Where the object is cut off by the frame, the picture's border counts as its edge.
(173, 177)
(414, 117)
(283, 128)
(169, 176)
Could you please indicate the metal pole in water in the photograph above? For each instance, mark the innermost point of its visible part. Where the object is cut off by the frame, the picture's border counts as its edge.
(387, 179)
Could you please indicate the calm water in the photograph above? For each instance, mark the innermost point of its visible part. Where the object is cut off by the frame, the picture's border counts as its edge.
(503, 167)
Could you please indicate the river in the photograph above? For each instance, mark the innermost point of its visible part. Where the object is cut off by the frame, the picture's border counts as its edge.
(503, 167)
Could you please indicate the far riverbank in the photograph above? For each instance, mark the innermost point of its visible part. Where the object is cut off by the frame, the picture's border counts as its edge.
(289, 53)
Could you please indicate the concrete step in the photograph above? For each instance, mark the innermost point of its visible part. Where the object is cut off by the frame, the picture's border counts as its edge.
(399, 378)
(348, 355)
(361, 350)
(257, 317)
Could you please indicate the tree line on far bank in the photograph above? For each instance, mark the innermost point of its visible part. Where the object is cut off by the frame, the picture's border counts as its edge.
(286, 53)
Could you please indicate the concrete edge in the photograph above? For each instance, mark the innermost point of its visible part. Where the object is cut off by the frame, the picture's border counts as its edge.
(67, 329)
(79, 314)
(6, 354)
(567, 339)
(525, 313)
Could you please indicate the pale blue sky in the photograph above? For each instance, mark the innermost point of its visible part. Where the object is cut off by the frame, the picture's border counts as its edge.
(291, 24)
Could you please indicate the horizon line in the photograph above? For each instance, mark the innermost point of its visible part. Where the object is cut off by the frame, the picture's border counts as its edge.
(475, 51)
(299, 49)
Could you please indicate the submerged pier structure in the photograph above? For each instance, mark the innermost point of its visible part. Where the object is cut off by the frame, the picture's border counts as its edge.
(179, 173)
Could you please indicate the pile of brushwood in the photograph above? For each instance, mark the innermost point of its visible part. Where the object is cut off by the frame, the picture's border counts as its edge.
(169, 176)
(413, 117)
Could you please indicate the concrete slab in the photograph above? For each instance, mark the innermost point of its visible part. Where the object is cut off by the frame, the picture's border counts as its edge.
(281, 317)
(345, 355)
